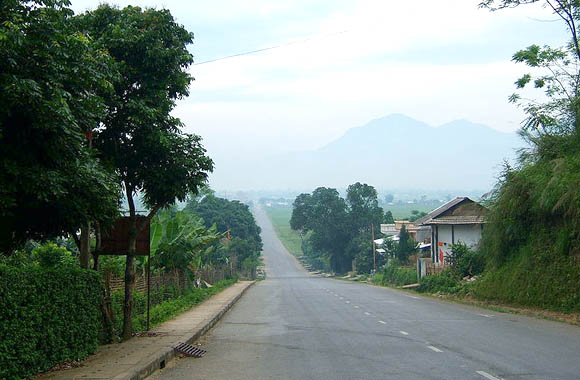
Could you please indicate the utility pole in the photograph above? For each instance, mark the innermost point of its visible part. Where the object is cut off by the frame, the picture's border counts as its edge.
(374, 247)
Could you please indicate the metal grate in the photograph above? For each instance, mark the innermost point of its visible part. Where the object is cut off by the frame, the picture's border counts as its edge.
(189, 350)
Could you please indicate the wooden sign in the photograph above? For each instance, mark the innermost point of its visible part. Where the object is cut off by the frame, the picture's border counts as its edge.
(116, 240)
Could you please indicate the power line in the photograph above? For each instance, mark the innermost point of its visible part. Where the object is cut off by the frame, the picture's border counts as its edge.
(270, 48)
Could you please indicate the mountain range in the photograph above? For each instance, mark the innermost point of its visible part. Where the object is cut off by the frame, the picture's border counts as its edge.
(395, 151)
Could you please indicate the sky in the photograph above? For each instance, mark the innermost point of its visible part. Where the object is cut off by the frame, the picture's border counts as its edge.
(341, 64)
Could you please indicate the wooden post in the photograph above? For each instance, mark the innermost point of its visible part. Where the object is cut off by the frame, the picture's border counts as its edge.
(148, 287)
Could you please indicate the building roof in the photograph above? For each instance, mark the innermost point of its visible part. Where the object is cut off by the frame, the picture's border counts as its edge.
(461, 210)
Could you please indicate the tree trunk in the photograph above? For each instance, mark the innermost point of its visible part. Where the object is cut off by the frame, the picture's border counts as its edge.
(97, 246)
(85, 250)
(130, 268)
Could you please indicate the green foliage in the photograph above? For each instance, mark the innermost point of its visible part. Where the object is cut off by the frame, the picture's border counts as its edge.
(465, 261)
(174, 303)
(394, 274)
(333, 222)
(539, 274)
(51, 255)
(179, 239)
(52, 86)
(405, 247)
(232, 216)
(47, 316)
(388, 219)
(445, 282)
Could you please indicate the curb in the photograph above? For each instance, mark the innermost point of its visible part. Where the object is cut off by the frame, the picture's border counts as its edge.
(158, 360)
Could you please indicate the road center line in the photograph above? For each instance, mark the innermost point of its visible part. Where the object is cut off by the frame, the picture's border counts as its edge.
(383, 322)
(367, 313)
(412, 297)
(487, 375)
(486, 315)
(356, 307)
(347, 301)
(404, 332)
(341, 298)
(434, 349)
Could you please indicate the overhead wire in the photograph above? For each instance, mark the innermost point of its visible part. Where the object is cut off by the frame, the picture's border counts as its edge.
(304, 40)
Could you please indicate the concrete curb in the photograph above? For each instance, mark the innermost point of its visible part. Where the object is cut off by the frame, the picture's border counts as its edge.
(146, 367)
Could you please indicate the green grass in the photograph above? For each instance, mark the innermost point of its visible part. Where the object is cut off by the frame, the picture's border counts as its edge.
(280, 218)
(404, 211)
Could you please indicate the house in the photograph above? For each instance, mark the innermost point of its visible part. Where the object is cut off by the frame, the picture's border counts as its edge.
(421, 234)
(460, 220)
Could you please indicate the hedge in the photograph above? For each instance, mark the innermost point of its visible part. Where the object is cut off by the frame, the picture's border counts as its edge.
(47, 316)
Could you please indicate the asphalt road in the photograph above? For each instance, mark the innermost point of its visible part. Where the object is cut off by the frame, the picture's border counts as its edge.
(296, 326)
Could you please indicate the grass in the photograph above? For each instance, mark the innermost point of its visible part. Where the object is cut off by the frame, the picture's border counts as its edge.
(280, 217)
(405, 210)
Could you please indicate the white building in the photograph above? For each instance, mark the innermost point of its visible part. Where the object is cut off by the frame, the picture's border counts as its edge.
(460, 220)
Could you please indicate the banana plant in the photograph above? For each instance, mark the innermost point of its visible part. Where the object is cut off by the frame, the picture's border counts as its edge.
(178, 241)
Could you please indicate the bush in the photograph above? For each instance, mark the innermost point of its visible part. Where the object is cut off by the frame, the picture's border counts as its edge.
(534, 278)
(47, 316)
(465, 261)
(394, 274)
(51, 255)
(444, 282)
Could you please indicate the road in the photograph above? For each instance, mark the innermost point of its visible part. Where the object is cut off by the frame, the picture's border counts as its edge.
(297, 326)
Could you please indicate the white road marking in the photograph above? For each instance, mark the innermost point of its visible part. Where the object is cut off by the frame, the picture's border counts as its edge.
(412, 297)
(356, 307)
(367, 313)
(486, 315)
(404, 332)
(383, 322)
(434, 349)
(347, 301)
(341, 298)
(487, 375)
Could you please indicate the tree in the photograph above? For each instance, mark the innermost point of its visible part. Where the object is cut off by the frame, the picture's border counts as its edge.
(389, 198)
(556, 71)
(228, 216)
(406, 247)
(388, 219)
(52, 79)
(138, 137)
(363, 207)
(324, 213)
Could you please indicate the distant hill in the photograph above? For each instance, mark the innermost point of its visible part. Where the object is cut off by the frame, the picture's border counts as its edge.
(393, 152)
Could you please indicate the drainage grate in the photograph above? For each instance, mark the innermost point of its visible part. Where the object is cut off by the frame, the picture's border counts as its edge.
(189, 350)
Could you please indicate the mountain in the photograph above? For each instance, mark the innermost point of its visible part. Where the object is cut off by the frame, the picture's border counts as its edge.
(395, 151)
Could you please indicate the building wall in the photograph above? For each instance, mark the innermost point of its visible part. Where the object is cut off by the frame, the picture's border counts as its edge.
(446, 235)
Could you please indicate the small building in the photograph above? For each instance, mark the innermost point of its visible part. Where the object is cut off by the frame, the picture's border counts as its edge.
(459, 220)
(421, 234)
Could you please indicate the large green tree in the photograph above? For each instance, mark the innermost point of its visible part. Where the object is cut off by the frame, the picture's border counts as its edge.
(363, 207)
(52, 82)
(325, 214)
(139, 138)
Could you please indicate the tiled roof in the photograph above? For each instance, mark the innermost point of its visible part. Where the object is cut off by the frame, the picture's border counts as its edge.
(440, 210)
(435, 216)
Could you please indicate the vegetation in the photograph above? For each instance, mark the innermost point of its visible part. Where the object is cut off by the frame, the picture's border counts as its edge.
(394, 274)
(47, 315)
(51, 182)
(532, 237)
(333, 223)
(168, 309)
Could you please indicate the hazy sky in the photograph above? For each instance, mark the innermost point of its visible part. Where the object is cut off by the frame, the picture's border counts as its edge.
(351, 61)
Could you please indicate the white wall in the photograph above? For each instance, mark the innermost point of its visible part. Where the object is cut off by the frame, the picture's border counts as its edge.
(470, 234)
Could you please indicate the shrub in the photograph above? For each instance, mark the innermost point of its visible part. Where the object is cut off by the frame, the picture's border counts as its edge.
(465, 261)
(51, 255)
(444, 282)
(394, 274)
(47, 316)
